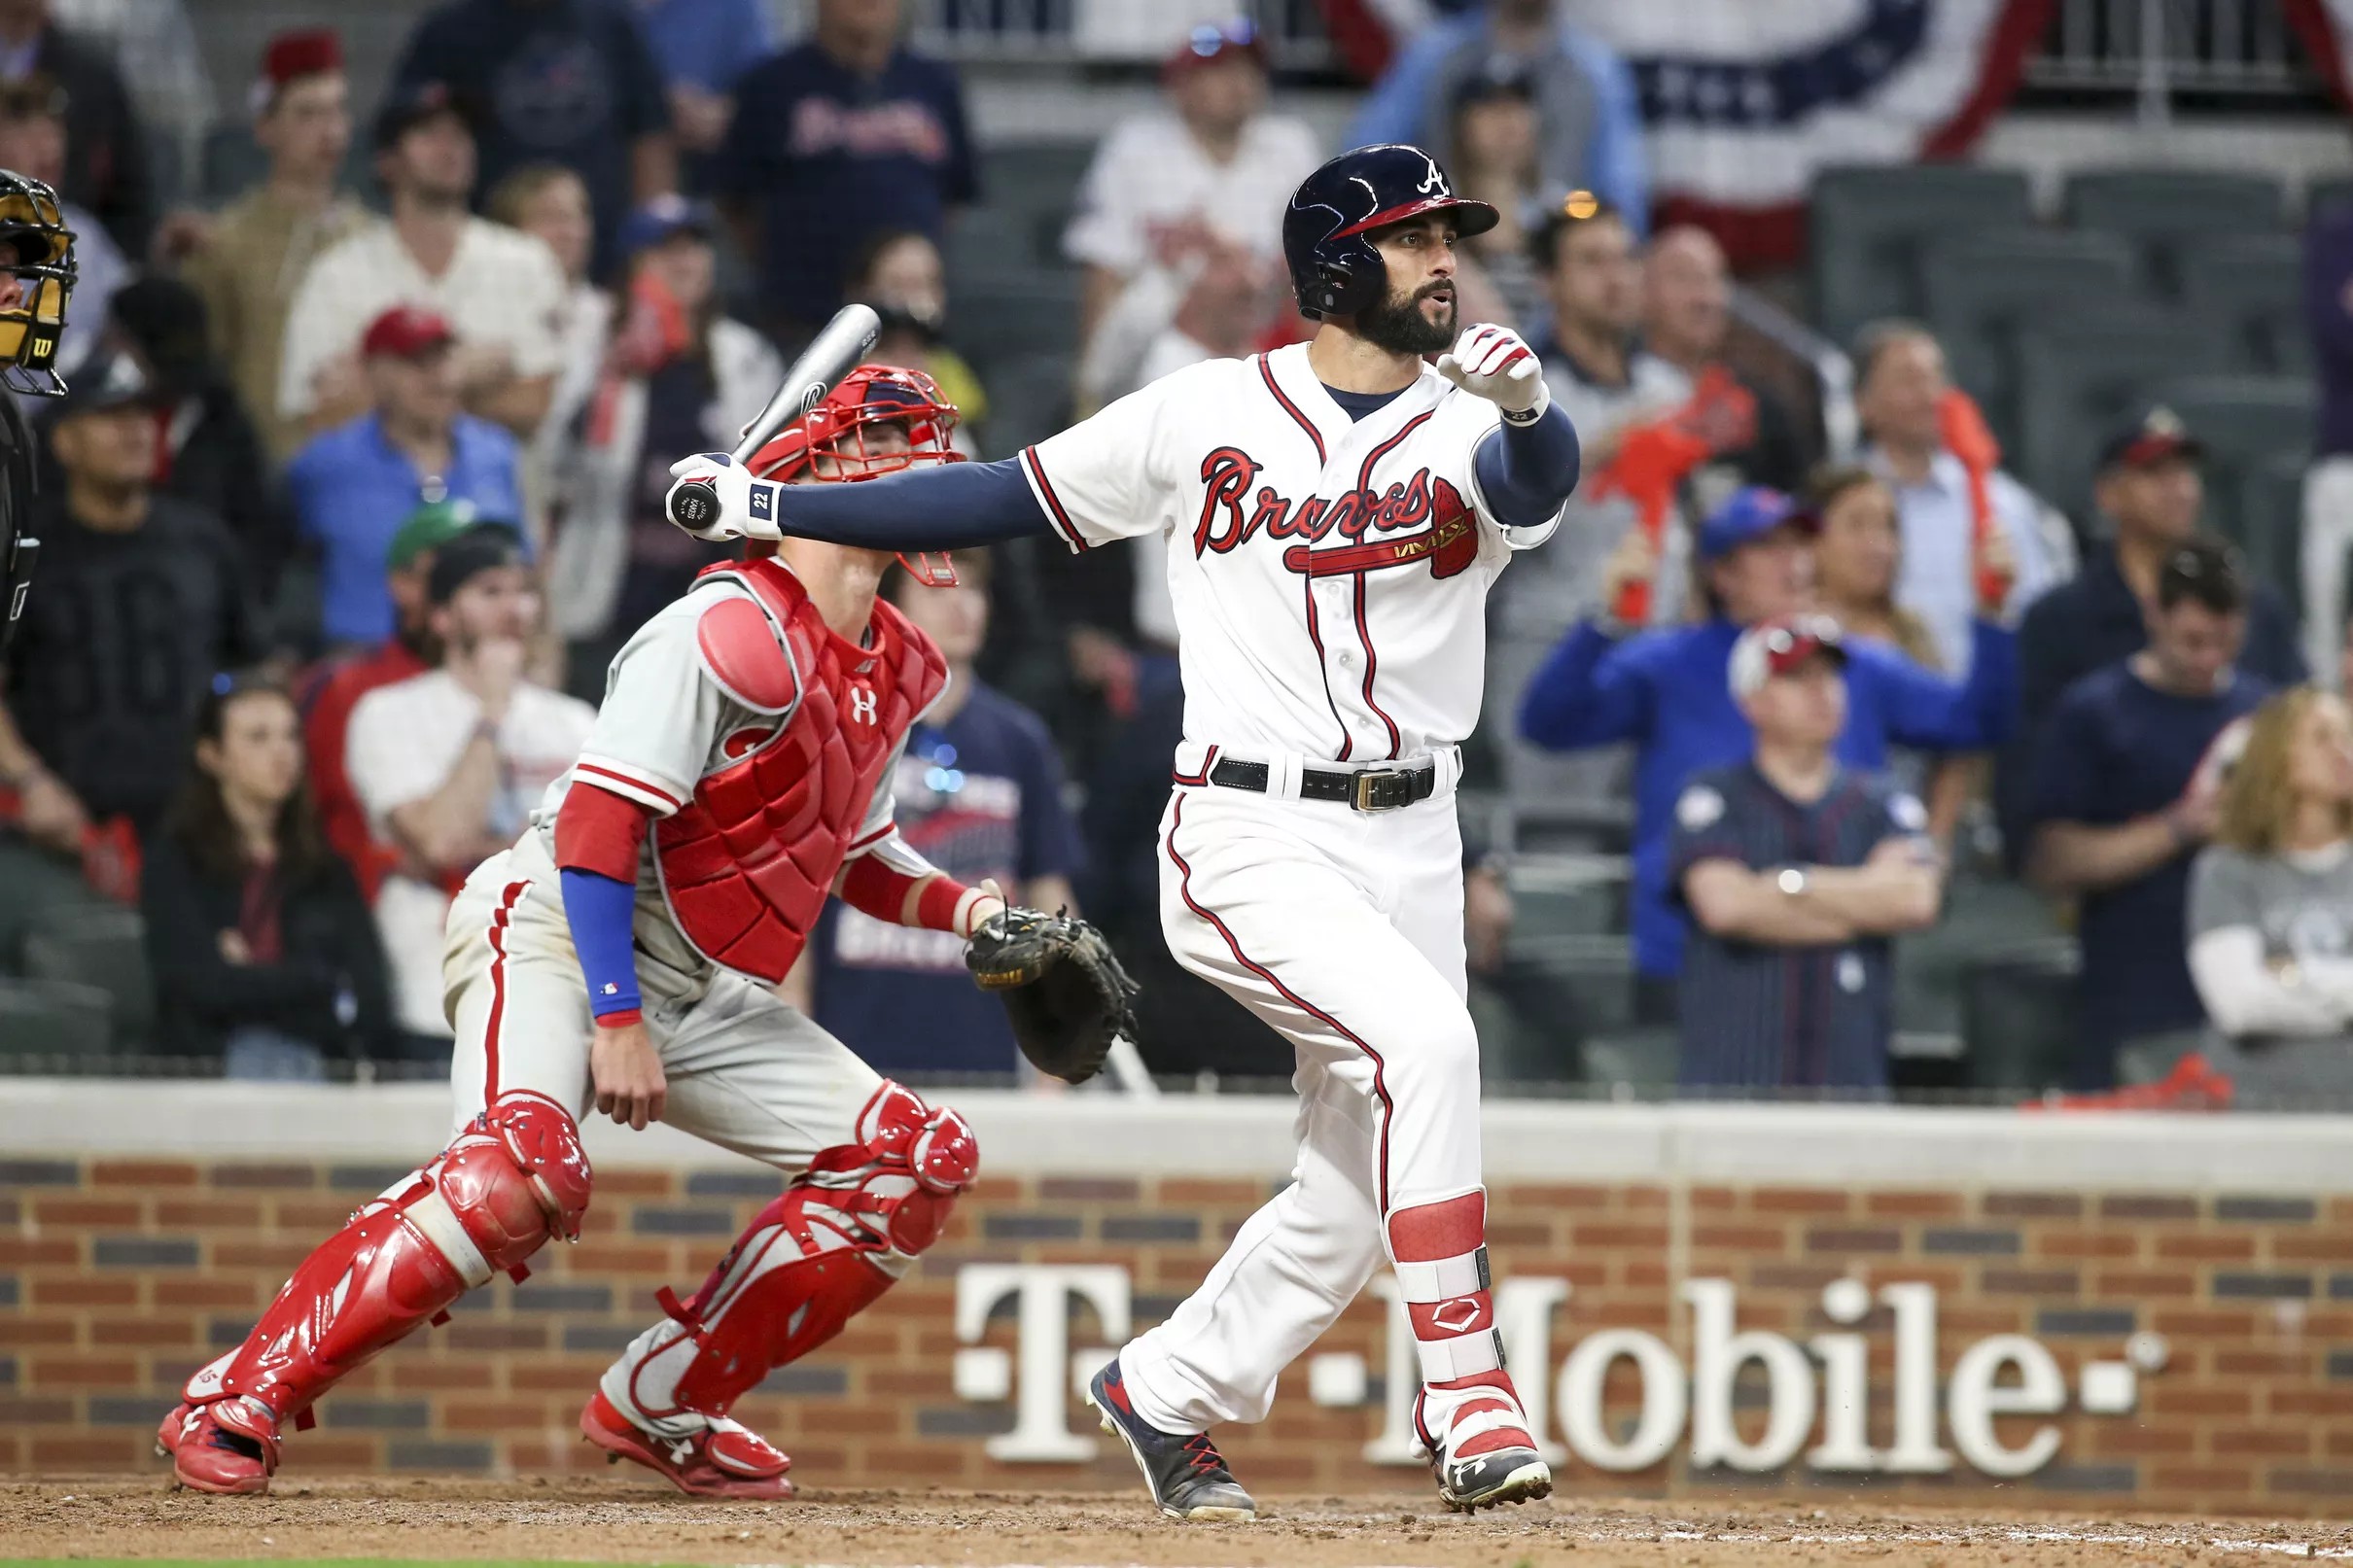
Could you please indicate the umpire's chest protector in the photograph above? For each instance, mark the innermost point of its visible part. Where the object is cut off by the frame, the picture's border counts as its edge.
(747, 863)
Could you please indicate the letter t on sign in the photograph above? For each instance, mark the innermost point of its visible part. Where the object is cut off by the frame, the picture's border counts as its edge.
(1042, 1432)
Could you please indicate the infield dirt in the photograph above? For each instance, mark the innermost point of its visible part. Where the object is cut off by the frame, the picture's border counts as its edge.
(623, 1519)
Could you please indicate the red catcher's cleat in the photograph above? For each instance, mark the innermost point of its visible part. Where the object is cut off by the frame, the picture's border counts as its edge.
(175, 1427)
(725, 1459)
(229, 1446)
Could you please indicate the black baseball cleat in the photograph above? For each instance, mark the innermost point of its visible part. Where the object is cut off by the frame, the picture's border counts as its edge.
(1492, 1478)
(1186, 1474)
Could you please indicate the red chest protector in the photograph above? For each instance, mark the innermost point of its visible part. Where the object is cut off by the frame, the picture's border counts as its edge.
(747, 864)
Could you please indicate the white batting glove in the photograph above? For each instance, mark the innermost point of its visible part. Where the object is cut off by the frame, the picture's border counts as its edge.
(714, 498)
(1496, 363)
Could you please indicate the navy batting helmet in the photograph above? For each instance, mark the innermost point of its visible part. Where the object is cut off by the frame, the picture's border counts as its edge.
(1335, 271)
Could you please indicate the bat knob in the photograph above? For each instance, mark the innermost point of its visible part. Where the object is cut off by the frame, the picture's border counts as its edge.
(695, 504)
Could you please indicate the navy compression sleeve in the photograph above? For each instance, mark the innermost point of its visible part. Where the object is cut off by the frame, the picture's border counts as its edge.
(949, 506)
(1528, 472)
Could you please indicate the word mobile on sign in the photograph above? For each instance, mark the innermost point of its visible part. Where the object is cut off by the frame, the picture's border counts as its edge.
(1822, 1382)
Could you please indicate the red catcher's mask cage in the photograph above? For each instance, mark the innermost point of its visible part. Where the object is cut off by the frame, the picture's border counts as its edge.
(846, 430)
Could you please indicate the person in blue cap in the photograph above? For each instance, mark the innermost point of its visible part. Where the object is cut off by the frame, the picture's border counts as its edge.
(1666, 691)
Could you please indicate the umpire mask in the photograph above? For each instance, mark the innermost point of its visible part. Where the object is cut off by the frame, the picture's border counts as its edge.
(33, 228)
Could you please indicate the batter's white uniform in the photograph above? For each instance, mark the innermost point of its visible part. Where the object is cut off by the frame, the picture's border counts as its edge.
(1330, 578)
(744, 1069)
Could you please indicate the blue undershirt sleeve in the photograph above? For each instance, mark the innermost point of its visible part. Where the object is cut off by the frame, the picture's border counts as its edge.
(598, 909)
(1528, 472)
(950, 507)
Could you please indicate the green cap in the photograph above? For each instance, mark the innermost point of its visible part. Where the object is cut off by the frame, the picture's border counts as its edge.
(428, 528)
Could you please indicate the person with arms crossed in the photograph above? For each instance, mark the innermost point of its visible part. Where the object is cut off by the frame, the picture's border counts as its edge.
(1337, 511)
(1794, 872)
(2127, 786)
(1666, 691)
(621, 952)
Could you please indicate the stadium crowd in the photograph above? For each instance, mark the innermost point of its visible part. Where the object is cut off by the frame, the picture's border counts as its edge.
(355, 492)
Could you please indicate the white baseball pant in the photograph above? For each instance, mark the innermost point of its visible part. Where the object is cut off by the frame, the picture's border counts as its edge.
(1344, 931)
(745, 1070)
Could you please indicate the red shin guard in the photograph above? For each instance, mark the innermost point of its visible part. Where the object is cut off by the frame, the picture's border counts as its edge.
(512, 1179)
(816, 1257)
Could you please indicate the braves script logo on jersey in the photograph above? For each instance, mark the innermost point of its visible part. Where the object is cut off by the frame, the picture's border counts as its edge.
(1230, 516)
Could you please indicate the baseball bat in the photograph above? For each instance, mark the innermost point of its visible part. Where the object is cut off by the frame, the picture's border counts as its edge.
(831, 354)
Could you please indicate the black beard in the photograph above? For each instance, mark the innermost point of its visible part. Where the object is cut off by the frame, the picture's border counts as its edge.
(1400, 328)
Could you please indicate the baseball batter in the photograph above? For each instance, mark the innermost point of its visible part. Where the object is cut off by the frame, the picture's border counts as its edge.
(1336, 514)
(620, 953)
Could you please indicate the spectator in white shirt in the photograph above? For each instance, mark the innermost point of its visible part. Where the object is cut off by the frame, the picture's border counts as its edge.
(503, 291)
(449, 764)
(1214, 161)
(1900, 387)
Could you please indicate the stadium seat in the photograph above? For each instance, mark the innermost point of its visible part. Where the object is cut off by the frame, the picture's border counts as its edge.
(2254, 285)
(2244, 421)
(990, 242)
(2269, 522)
(1635, 1064)
(2080, 374)
(53, 1026)
(1983, 919)
(2329, 192)
(1029, 400)
(101, 946)
(1979, 290)
(1010, 318)
(1038, 182)
(1869, 224)
(2158, 210)
(2019, 1019)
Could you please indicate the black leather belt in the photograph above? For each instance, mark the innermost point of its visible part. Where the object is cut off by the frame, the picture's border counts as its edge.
(1367, 789)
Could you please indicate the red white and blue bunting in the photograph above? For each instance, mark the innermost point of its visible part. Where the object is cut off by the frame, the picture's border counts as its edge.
(1746, 100)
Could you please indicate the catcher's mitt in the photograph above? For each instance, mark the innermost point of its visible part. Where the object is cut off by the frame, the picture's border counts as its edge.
(1062, 985)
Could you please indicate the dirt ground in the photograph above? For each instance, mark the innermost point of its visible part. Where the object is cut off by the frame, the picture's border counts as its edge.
(623, 1519)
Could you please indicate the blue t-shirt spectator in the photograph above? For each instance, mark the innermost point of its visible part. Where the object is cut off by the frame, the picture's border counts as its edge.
(2115, 749)
(1666, 691)
(570, 81)
(823, 158)
(978, 796)
(352, 489)
(1757, 1015)
(1588, 111)
(705, 43)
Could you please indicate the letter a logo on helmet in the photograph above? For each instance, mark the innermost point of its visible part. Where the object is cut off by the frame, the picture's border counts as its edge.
(1327, 231)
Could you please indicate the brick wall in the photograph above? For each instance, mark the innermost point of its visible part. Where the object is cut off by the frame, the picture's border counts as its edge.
(117, 1276)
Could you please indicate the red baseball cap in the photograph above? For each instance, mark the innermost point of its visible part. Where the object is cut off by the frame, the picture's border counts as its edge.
(405, 331)
(306, 51)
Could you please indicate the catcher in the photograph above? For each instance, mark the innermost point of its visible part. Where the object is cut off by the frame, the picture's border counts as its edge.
(622, 954)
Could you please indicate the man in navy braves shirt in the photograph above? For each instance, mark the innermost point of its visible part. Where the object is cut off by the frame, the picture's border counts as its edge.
(1794, 872)
(979, 795)
(835, 141)
(2128, 785)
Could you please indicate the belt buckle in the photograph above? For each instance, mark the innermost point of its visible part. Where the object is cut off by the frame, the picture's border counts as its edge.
(1382, 790)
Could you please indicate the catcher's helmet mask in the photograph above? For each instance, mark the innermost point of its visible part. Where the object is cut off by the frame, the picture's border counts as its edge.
(870, 397)
(32, 225)
(1328, 228)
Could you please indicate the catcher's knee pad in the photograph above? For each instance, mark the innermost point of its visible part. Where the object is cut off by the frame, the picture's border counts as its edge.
(514, 1177)
(813, 1259)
